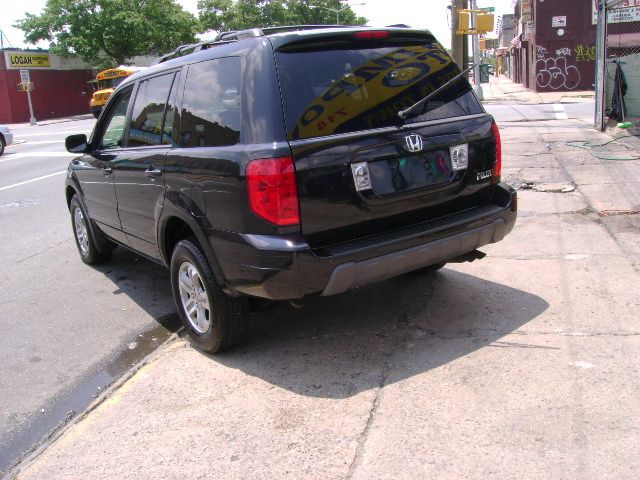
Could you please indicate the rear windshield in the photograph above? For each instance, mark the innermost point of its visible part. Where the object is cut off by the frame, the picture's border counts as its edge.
(337, 91)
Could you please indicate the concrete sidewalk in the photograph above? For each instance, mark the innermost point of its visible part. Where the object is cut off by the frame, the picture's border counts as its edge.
(502, 89)
(53, 121)
(522, 365)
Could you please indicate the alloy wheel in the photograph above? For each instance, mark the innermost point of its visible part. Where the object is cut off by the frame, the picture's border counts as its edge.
(81, 231)
(194, 297)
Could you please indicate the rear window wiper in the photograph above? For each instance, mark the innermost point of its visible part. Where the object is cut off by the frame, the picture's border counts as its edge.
(403, 114)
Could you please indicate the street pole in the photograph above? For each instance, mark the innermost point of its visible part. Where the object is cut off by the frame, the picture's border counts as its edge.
(457, 41)
(32, 118)
(477, 87)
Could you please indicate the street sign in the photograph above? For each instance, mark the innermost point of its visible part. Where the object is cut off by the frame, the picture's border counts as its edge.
(27, 86)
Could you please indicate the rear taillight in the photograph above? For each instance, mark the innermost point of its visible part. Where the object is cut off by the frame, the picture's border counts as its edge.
(273, 194)
(497, 168)
(368, 34)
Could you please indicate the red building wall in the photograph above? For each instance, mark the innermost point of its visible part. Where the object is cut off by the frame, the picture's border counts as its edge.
(562, 58)
(58, 93)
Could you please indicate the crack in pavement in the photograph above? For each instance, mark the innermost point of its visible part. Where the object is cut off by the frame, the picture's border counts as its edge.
(43, 251)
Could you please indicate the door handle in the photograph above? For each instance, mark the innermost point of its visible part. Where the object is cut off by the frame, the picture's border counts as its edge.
(155, 173)
(107, 170)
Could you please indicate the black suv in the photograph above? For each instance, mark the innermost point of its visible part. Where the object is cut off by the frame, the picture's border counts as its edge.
(281, 163)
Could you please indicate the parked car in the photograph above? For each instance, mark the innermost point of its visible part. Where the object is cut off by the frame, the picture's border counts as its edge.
(6, 137)
(283, 163)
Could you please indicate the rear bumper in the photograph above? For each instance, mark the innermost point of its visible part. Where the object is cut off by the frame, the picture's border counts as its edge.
(355, 274)
(282, 268)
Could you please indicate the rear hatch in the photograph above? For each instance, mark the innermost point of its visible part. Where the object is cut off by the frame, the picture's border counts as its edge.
(361, 170)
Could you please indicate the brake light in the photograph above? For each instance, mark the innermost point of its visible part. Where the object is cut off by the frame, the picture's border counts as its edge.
(368, 34)
(272, 190)
(497, 168)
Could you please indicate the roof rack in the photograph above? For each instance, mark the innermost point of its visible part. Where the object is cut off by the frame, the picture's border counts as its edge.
(295, 28)
(190, 48)
(234, 36)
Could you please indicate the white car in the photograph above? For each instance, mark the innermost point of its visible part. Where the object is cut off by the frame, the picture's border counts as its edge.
(6, 138)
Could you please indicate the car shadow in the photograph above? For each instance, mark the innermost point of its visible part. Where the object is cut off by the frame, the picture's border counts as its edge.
(337, 347)
(146, 283)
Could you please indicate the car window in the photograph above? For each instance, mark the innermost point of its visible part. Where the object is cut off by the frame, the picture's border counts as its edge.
(148, 111)
(114, 131)
(211, 104)
(171, 118)
(326, 92)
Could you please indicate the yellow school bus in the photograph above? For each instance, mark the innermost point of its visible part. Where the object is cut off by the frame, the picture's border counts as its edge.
(106, 81)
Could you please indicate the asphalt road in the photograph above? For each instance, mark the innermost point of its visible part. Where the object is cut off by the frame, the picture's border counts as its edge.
(68, 329)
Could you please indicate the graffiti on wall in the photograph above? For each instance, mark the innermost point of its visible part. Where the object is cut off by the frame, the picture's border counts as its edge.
(541, 52)
(585, 53)
(556, 72)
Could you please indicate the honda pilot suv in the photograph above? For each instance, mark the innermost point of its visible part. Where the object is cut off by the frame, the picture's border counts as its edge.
(283, 163)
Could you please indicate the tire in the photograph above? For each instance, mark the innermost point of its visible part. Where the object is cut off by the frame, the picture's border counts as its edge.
(2, 144)
(217, 322)
(96, 114)
(83, 235)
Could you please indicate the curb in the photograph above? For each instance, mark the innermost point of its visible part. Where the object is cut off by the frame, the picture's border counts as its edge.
(32, 456)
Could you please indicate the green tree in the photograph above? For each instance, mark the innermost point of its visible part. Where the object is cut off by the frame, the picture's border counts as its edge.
(223, 15)
(106, 33)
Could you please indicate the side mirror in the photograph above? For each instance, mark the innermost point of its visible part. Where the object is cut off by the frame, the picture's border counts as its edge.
(76, 143)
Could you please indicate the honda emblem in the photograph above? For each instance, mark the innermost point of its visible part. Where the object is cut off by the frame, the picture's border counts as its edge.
(413, 143)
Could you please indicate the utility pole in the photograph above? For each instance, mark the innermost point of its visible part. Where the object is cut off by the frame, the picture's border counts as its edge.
(457, 41)
(477, 86)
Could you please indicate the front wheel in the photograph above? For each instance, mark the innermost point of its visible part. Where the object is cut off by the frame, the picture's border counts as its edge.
(83, 236)
(2, 145)
(215, 321)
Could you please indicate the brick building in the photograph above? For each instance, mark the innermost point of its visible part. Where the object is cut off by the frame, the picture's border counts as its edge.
(61, 85)
(554, 47)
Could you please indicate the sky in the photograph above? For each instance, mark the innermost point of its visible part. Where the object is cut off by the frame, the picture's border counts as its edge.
(431, 14)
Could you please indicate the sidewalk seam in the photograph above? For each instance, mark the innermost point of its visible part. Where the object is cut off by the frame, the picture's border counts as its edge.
(364, 435)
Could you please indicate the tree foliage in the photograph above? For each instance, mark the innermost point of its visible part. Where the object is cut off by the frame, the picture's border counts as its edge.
(223, 15)
(107, 33)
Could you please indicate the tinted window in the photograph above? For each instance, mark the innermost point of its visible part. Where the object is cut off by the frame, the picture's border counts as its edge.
(115, 123)
(148, 111)
(211, 105)
(337, 91)
(171, 118)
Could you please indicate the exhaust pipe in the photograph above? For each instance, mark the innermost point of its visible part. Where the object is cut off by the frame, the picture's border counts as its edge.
(468, 257)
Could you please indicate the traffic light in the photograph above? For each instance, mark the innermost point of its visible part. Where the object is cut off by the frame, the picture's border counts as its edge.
(464, 22)
(484, 22)
(483, 44)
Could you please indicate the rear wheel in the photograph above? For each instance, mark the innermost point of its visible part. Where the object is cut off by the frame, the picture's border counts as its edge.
(2, 144)
(215, 321)
(83, 236)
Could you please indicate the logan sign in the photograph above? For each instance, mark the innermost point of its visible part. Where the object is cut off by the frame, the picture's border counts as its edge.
(26, 60)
